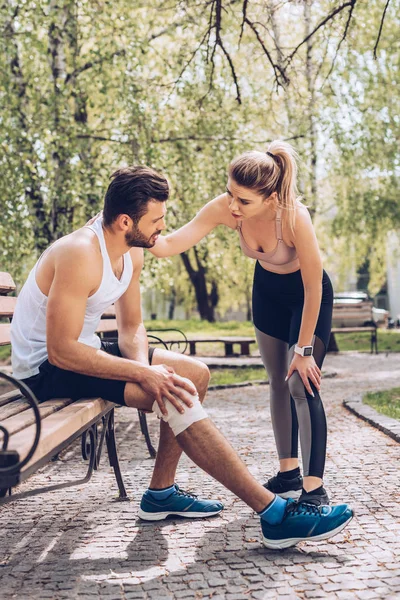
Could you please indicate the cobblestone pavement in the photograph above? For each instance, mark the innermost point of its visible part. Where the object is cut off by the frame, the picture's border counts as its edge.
(80, 543)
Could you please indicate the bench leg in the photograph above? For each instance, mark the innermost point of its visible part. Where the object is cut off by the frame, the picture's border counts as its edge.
(245, 348)
(228, 349)
(192, 348)
(145, 431)
(88, 448)
(374, 341)
(113, 457)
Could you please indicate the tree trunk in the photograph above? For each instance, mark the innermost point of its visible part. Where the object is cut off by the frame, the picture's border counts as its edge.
(172, 304)
(310, 76)
(61, 205)
(30, 173)
(205, 302)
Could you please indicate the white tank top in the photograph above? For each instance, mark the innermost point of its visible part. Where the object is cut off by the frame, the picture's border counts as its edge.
(28, 327)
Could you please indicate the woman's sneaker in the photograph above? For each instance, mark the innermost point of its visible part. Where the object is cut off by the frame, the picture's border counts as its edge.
(303, 522)
(317, 497)
(285, 488)
(179, 504)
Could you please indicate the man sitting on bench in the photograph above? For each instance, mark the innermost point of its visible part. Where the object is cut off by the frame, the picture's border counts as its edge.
(57, 353)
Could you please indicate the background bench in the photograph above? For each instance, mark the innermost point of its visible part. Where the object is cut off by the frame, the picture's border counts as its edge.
(228, 341)
(359, 313)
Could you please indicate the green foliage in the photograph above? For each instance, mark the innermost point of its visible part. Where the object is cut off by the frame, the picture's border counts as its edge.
(86, 87)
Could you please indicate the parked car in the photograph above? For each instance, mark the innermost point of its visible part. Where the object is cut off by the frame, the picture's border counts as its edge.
(356, 309)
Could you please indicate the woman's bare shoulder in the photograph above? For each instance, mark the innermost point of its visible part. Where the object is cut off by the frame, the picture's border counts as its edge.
(219, 207)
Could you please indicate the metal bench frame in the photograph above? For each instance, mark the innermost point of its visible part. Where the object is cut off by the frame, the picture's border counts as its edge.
(92, 445)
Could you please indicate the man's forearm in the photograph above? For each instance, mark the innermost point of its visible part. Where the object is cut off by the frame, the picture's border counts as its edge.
(134, 345)
(80, 358)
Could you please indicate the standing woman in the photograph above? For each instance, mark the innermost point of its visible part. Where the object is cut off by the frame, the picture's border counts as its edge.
(292, 303)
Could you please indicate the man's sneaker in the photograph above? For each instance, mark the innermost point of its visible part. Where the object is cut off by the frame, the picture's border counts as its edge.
(316, 499)
(303, 522)
(179, 504)
(285, 488)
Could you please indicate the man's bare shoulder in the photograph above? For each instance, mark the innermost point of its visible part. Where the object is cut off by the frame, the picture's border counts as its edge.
(76, 256)
(82, 245)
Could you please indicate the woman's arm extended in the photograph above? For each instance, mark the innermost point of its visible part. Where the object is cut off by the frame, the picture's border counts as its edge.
(214, 213)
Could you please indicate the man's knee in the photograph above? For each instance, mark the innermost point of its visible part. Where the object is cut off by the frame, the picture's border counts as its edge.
(181, 421)
(203, 377)
(199, 375)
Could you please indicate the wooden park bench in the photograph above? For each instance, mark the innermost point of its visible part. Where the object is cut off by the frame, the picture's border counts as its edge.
(360, 312)
(32, 434)
(108, 328)
(228, 341)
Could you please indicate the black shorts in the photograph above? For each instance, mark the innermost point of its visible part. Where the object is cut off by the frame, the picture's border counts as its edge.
(53, 382)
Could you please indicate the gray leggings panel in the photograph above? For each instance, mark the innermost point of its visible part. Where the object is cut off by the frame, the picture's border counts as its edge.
(275, 357)
(293, 410)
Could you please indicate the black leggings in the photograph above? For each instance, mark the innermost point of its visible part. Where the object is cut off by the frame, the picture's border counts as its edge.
(277, 312)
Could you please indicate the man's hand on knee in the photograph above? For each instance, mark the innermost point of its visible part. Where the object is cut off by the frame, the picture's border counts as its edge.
(162, 383)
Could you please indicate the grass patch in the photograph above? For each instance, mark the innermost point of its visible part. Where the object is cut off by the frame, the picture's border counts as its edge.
(5, 353)
(388, 341)
(204, 328)
(239, 375)
(386, 402)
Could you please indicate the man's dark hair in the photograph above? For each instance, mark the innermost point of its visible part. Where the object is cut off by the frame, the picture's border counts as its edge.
(130, 190)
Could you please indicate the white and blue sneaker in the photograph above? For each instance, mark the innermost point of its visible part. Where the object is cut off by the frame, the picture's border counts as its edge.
(303, 522)
(178, 504)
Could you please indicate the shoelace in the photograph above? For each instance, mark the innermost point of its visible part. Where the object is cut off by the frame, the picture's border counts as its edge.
(302, 508)
(181, 492)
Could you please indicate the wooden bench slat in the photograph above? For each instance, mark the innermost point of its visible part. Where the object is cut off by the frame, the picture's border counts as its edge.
(7, 284)
(13, 408)
(5, 334)
(20, 421)
(7, 306)
(9, 396)
(353, 329)
(107, 325)
(109, 313)
(57, 427)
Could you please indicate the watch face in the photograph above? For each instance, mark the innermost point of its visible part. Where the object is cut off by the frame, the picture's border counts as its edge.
(308, 351)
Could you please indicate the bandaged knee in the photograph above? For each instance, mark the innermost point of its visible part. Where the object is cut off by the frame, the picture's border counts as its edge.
(181, 421)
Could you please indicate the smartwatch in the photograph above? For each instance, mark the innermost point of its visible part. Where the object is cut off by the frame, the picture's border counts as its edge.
(303, 350)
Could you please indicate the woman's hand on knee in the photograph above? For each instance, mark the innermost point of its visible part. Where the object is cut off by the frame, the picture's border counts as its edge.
(308, 370)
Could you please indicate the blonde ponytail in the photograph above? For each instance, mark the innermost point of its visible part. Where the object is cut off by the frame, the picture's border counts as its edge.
(272, 171)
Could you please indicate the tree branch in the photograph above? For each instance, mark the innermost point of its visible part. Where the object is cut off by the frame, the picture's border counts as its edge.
(244, 11)
(380, 29)
(189, 138)
(314, 31)
(92, 63)
(353, 3)
(277, 69)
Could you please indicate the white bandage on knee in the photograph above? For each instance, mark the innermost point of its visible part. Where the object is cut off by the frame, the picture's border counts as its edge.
(181, 421)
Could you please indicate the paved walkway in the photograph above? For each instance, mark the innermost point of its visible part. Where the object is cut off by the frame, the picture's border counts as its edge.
(78, 543)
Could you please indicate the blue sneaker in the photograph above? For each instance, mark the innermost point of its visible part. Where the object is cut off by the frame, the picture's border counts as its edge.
(180, 504)
(306, 522)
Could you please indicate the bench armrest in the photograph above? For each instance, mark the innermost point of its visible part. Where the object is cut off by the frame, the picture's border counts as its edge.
(16, 466)
(173, 345)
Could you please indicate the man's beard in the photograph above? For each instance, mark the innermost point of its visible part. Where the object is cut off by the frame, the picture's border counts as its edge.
(136, 239)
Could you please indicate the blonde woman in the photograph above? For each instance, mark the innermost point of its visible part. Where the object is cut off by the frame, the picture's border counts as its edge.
(292, 303)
